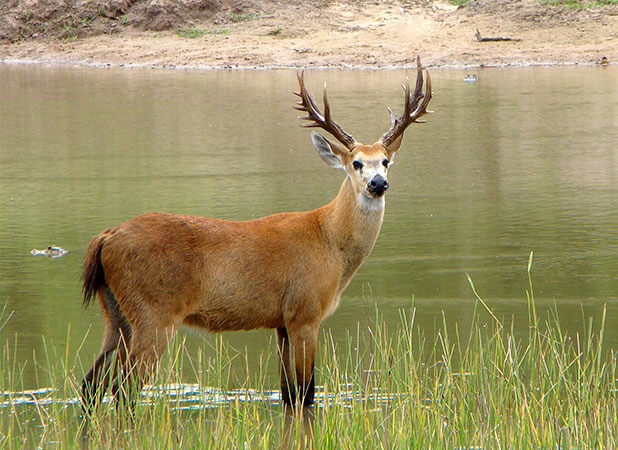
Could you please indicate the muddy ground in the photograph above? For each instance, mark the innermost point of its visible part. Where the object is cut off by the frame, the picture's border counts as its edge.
(318, 33)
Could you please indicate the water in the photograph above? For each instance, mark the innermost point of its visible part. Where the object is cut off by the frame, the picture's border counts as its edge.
(522, 160)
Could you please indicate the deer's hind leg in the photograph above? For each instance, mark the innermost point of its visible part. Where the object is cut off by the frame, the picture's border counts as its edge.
(149, 340)
(116, 336)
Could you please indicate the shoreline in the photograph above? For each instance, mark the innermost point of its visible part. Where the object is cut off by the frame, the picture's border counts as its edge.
(204, 67)
(342, 35)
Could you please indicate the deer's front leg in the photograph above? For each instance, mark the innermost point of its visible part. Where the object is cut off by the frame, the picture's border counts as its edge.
(304, 339)
(288, 388)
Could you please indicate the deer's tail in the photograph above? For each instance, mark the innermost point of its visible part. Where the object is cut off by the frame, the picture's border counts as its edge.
(93, 276)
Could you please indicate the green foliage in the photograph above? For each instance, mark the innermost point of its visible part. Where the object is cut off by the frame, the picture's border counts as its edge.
(275, 31)
(242, 17)
(193, 32)
(576, 4)
(563, 3)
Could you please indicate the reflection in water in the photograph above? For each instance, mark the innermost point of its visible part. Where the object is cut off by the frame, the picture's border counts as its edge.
(507, 165)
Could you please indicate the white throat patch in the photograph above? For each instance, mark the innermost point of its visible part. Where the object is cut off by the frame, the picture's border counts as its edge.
(370, 203)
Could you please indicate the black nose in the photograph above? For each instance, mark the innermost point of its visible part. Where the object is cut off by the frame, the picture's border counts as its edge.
(378, 185)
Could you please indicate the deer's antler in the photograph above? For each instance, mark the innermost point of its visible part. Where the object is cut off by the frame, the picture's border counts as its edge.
(318, 120)
(415, 107)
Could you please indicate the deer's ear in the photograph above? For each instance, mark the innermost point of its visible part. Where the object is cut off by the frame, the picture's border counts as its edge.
(331, 153)
(392, 148)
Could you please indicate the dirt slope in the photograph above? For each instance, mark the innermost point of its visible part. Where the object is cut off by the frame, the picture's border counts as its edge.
(266, 33)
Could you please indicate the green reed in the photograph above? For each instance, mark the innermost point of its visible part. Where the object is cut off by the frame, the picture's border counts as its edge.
(385, 387)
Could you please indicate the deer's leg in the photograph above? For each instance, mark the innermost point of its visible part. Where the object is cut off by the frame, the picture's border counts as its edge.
(147, 345)
(122, 356)
(288, 388)
(95, 382)
(304, 339)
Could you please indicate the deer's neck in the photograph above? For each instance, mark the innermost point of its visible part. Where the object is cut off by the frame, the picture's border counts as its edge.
(351, 226)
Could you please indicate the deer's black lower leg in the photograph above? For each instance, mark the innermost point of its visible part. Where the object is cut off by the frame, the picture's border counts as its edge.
(96, 380)
(309, 391)
(288, 388)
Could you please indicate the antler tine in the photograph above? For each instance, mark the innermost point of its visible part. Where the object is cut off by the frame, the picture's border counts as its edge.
(422, 108)
(415, 106)
(393, 116)
(317, 120)
(418, 88)
(326, 105)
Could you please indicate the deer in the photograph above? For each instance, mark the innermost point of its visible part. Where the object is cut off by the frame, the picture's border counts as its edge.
(286, 271)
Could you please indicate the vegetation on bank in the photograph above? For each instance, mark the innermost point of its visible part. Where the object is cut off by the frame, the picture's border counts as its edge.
(580, 3)
(478, 387)
(563, 3)
(193, 32)
(73, 19)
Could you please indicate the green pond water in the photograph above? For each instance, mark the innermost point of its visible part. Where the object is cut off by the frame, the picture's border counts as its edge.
(522, 160)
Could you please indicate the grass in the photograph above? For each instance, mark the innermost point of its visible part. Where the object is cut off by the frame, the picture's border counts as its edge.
(193, 32)
(275, 31)
(563, 3)
(234, 17)
(578, 4)
(386, 387)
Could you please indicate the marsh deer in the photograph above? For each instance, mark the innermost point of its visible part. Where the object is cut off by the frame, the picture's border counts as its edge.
(286, 271)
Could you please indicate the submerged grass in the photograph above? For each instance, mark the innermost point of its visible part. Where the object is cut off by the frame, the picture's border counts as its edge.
(383, 388)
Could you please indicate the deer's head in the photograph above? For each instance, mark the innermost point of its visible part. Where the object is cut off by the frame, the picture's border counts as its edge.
(365, 165)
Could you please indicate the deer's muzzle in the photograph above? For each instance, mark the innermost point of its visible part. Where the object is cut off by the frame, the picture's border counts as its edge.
(377, 186)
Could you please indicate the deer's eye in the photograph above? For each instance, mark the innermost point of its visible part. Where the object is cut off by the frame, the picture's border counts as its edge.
(357, 165)
(385, 162)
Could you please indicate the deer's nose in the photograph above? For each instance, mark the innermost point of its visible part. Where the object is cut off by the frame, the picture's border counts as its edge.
(378, 185)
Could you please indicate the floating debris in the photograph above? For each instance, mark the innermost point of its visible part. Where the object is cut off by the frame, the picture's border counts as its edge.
(51, 252)
(471, 78)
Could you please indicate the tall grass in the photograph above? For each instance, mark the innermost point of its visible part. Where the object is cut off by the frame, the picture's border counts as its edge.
(386, 387)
